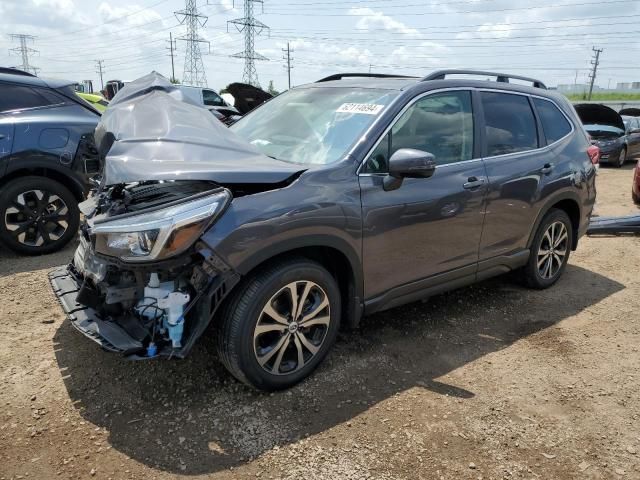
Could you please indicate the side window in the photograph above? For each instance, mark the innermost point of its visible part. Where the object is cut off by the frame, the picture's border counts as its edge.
(510, 126)
(441, 124)
(554, 123)
(19, 97)
(212, 99)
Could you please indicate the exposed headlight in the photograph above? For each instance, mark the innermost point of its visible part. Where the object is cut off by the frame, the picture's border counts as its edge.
(160, 233)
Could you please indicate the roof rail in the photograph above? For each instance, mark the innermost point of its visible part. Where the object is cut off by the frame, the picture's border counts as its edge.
(16, 71)
(500, 77)
(340, 76)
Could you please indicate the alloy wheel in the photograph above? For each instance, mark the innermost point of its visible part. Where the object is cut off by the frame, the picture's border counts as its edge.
(36, 218)
(291, 327)
(553, 250)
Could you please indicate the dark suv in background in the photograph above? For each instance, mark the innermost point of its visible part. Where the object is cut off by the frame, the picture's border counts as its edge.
(46, 158)
(334, 200)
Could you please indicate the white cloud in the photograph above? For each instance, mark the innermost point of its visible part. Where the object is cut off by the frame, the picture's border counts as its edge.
(372, 20)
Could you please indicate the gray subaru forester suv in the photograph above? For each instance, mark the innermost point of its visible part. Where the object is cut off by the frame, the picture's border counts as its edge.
(334, 200)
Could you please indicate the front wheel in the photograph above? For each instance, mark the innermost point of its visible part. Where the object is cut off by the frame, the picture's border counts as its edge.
(37, 215)
(549, 251)
(280, 324)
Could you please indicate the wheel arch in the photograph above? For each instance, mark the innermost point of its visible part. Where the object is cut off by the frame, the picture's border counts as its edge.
(570, 204)
(340, 259)
(74, 185)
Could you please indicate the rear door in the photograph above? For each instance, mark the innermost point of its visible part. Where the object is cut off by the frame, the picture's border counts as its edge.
(518, 170)
(633, 137)
(431, 225)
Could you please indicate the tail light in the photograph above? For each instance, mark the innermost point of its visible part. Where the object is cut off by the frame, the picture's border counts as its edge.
(594, 154)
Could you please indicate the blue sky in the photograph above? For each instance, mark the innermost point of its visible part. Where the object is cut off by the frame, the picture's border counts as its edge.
(548, 39)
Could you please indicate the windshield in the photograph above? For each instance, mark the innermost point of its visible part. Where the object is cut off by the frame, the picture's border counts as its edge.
(313, 125)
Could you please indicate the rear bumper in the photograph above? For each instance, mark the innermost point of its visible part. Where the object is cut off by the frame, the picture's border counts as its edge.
(609, 154)
(105, 332)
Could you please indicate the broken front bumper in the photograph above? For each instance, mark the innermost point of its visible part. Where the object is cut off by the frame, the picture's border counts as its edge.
(106, 332)
(119, 334)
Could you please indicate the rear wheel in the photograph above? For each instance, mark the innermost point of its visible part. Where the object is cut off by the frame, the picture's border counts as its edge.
(37, 215)
(549, 251)
(280, 324)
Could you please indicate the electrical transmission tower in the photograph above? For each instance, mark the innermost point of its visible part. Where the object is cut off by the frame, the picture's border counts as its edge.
(100, 71)
(194, 73)
(287, 57)
(24, 51)
(250, 27)
(172, 48)
(595, 62)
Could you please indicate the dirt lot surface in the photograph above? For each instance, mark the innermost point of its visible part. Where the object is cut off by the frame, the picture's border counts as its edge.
(492, 381)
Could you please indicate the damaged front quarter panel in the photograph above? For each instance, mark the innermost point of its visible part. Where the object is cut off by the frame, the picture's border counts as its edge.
(145, 308)
(140, 283)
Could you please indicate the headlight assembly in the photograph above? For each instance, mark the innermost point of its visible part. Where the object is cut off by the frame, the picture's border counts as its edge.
(157, 234)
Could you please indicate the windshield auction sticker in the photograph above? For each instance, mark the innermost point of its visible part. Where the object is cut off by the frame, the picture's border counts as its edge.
(366, 108)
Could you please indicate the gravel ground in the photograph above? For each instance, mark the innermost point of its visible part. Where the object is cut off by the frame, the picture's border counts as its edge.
(491, 381)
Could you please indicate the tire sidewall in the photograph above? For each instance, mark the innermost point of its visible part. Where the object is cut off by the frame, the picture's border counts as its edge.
(14, 188)
(535, 279)
(248, 363)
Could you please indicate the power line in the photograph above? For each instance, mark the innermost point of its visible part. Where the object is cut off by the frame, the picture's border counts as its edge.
(595, 62)
(100, 71)
(115, 19)
(251, 27)
(287, 52)
(351, 13)
(24, 51)
(172, 47)
(194, 73)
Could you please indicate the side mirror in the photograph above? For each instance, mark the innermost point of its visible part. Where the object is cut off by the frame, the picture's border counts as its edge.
(408, 163)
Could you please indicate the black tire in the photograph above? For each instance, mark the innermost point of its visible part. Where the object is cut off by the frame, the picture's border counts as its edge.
(622, 158)
(535, 276)
(244, 309)
(47, 227)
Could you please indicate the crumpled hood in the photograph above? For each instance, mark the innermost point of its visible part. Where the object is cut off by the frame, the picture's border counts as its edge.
(151, 132)
(596, 114)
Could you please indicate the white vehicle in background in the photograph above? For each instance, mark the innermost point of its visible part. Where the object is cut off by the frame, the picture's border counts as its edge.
(209, 99)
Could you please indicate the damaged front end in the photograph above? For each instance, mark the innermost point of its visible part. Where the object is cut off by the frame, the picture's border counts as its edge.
(140, 283)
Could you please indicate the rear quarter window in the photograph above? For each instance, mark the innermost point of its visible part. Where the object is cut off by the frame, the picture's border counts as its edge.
(21, 97)
(554, 123)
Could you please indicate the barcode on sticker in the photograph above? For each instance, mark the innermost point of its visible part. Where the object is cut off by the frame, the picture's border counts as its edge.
(366, 108)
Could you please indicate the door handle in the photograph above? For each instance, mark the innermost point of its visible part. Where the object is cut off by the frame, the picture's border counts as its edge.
(2, 136)
(547, 168)
(473, 182)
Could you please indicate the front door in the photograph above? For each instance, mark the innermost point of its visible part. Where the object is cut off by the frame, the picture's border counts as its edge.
(6, 141)
(432, 225)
